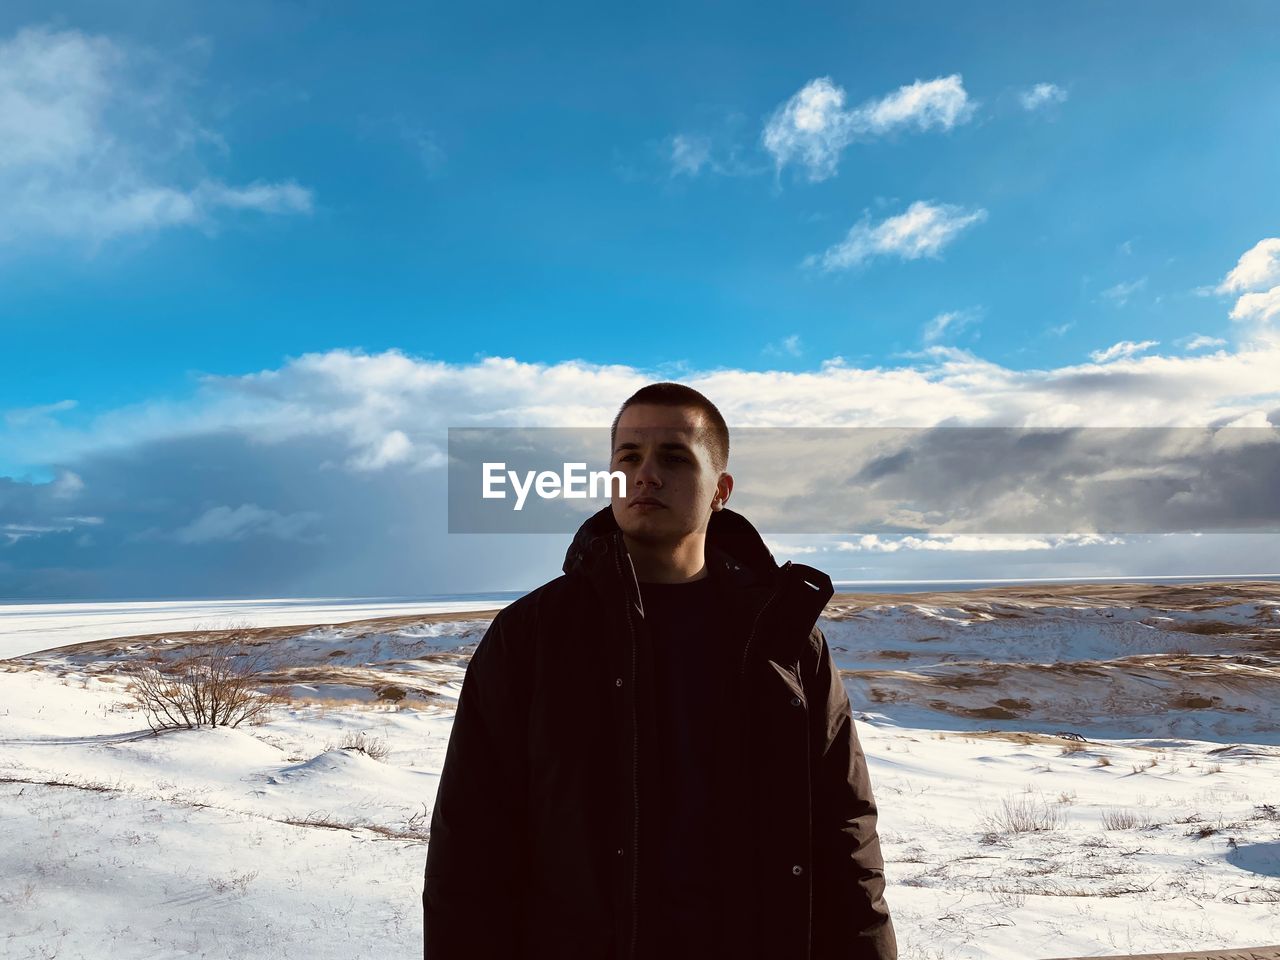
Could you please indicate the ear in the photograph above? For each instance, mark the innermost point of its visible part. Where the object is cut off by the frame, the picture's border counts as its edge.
(724, 487)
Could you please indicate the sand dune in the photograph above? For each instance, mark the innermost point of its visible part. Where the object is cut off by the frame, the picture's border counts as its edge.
(1061, 770)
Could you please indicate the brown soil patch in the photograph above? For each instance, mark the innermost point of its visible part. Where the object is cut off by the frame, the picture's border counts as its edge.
(1014, 736)
(1190, 701)
(986, 713)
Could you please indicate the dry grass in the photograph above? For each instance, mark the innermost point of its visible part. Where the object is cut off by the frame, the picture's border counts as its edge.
(1023, 814)
(416, 827)
(236, 883)
(1089, 890)
(1125, 819)
(97, 786)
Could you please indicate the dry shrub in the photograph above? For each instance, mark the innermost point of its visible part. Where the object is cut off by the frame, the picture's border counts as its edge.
(1023, 814)
(419, 824)
(212, 684)
(371, 747)
(1103, 762)
(1125, 819)
(237, 882)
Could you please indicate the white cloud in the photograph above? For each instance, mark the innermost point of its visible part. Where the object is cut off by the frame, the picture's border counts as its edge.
(285, 197)
(789, 549)
(1124, 349)
(270, 445)
(247, 520)
(395, 447)
(813, 127)
(689, 154)
(971, 543)
(354, 402)
(1122, 292)
(925, 104)
(1258, 268)
(97, 141)
(1041, 95)
(1199, 341)
(1256, 277)
(21, 416)
(787, 346)
(1262, 308)
(924, 230)
(15, 532)
(67, 485)
(945, 324)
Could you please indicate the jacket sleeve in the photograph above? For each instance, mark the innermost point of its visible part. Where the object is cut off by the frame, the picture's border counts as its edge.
(473, 894)
(850, 916)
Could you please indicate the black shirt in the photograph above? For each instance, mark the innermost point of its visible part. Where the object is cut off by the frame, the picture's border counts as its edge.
(684, 787)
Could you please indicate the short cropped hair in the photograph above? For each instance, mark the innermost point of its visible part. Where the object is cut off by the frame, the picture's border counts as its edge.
(715, 433)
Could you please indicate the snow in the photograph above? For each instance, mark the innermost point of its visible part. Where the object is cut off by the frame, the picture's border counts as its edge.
(1161, 812)
(27, 627)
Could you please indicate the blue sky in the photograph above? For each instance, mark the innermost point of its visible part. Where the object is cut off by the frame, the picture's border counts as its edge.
(663, 190)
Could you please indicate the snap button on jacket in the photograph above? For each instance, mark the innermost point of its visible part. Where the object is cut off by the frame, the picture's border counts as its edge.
(535, 834)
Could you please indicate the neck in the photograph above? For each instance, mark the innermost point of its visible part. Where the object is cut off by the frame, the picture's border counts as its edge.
(663, 563)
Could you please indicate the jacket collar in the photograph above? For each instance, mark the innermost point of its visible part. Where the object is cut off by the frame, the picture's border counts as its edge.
(735, 551)
(733, 545)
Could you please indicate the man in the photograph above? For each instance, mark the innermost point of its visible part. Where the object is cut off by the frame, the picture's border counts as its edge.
(653, 755)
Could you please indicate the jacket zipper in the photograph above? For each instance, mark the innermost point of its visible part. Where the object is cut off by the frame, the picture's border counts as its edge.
(742, 673)
(635, 733)
(635, 754)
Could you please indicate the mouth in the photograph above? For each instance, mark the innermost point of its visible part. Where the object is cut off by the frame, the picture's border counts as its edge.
(646, 502)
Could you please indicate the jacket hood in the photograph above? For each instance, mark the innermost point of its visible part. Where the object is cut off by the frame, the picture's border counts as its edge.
(734, 551)
(731, 539)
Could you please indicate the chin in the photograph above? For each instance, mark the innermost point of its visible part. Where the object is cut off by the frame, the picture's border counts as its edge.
(646, 531)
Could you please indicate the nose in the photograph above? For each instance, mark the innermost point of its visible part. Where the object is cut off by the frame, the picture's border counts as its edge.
(647, 473)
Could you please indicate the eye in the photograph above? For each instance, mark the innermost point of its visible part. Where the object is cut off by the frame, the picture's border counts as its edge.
(677, 457)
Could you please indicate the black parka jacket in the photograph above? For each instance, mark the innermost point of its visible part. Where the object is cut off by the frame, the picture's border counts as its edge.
(536, 831)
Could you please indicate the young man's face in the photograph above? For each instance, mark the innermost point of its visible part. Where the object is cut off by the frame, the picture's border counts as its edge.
(671, 481)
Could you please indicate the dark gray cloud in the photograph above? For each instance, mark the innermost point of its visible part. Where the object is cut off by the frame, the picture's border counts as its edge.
(222, 515)
(327, 476)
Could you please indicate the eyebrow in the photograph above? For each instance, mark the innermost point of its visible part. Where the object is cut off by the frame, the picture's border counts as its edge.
(665, 445)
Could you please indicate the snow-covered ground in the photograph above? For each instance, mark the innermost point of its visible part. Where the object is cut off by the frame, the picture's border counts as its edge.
(1155, 825)
(26, 627)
